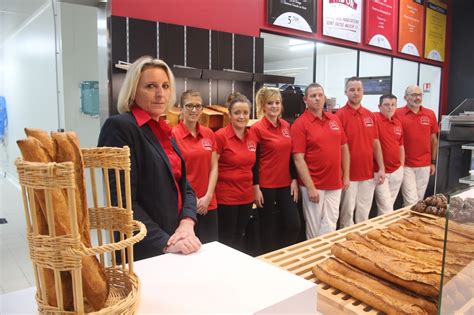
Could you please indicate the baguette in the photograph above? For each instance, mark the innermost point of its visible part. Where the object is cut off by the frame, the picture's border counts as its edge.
(408, 274)
(432, 235)
(464, 230)
(371, 290)
(45, 140)
(94, 281)
(417, 249)
(33, 151)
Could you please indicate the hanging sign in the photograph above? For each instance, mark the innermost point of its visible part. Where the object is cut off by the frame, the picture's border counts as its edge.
(410, 27)
(342, 19)
(379, 23)
(435, 35)
(296, 14)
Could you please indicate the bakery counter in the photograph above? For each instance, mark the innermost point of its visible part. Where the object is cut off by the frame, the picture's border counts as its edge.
(404, 248)
(300, 259)
(216, 279)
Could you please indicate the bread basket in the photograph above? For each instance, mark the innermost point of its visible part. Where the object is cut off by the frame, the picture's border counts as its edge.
(62, 255)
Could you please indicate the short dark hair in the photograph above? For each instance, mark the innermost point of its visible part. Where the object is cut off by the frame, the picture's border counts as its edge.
(352, 79)
(312, 85)
(388, 95)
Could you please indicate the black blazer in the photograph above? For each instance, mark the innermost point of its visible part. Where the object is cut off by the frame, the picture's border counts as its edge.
(154, 194)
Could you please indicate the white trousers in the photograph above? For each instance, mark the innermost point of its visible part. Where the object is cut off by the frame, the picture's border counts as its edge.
(415, 181)
(386, 194)
(321, 218)
(357, 199)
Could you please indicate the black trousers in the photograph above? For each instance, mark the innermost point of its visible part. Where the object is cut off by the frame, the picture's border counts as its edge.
(233, 221)
(207, 227)
(279, 219)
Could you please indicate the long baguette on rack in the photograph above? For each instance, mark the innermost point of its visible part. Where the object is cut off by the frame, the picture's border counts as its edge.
(419, 279)
(94, 281)
(432, 235)
(463, 230)
(417, 249)
(371, 290)
(33, 151)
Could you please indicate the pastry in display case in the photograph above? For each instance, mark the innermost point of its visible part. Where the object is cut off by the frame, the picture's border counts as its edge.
(395, 263)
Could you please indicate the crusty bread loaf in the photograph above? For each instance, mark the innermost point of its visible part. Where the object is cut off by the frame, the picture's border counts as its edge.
(417, 249)
(45, 140)
(406, 273)
(94, 281)
(33, 151)
(371, 290)
(464, 230)
(432, 235)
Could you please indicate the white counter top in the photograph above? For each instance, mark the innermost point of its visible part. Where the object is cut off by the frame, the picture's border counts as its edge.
(217, 279)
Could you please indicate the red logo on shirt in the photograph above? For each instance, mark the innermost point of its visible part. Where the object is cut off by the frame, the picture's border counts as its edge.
(397, 130)
(424, 120)
(206, 144)
(333, 125)
(285, 132)
(251, 145)
(368, 122)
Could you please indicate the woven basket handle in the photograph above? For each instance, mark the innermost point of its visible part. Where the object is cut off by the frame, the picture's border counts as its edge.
(108, 248)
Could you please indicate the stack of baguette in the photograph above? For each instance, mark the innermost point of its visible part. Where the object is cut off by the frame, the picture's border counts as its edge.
(398, 270)
(39, 146)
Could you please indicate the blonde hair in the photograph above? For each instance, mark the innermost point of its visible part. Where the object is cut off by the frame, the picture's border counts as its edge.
(128, 91)
(265, 94)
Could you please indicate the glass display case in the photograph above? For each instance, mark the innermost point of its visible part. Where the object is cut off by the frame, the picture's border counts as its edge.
(457, 285)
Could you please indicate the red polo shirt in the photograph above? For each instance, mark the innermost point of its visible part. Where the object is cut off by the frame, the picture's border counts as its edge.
(162, 132)
(197, 154)
(275, 151)
(320, 140)
(236, 159)
(361, 131)
(391, 138)
(417, 131)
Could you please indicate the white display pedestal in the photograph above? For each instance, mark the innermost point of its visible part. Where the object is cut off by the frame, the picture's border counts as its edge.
(216, 279)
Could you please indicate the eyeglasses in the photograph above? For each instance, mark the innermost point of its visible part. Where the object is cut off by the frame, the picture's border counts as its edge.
(192, 106)
(416, 95)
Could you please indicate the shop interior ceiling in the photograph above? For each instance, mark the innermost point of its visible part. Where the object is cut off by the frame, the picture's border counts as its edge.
(15, 13)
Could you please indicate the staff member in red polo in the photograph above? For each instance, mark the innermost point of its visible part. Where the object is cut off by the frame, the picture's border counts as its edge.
(420, 128)
(276, 193)
(198, 147)
(321, 157)
(234, 190)
(364, 146)
(391, 140)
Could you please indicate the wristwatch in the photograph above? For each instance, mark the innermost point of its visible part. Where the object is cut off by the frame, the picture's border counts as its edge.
(433, 162)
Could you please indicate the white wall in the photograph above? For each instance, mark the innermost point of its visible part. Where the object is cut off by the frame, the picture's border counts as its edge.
(29, 82)
(301, 69)
(405, 73)
(431, 75)
(332, 69)
(80, 63)
(373, 65)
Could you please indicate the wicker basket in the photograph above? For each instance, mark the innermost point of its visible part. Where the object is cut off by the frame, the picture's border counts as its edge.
(64, 253)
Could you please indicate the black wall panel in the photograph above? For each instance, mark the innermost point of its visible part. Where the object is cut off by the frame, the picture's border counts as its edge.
(197, 48)
(243, 53)
(221, 50)
(142, 38)
(172, 44)
(224, 88)
(119, 39)
(258, 55)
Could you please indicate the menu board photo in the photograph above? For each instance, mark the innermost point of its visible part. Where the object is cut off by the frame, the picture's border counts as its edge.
(296, 14)
(379, 30)
(342, 19)
(410, 27)
(435, 35)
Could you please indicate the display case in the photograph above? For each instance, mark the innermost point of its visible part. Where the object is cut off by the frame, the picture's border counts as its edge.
(457, 292)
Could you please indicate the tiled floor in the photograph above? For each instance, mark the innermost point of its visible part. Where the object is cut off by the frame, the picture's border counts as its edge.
(16, 271)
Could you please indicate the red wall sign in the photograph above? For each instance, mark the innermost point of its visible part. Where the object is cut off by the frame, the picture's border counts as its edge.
(379, 23)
